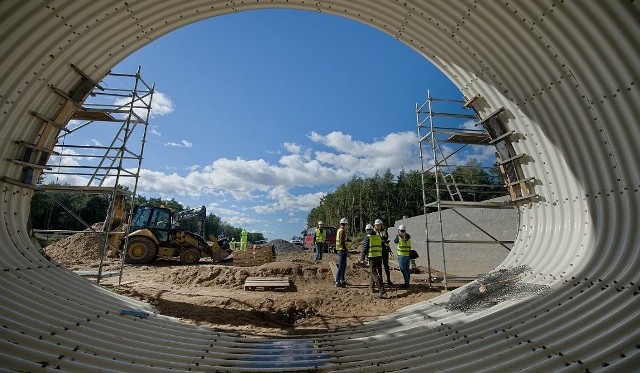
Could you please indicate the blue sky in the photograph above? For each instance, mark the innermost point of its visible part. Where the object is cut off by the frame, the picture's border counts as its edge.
(259, 114)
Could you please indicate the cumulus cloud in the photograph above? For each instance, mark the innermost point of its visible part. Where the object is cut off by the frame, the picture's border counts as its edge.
(161, 105)
(292, 148)
(63, 163)
(395, 151)
(284, 200)
(259, 180)
(181, 144)
(233, 217)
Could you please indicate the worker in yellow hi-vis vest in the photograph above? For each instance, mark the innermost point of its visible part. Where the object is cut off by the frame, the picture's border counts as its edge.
(320, 240)
(372, 247)
(403, 240)
(243, 239)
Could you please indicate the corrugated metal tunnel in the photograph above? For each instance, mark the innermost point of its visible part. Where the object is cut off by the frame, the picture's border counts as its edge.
(566, 75)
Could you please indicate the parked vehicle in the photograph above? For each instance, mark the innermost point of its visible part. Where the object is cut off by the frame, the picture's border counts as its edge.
(297, 241)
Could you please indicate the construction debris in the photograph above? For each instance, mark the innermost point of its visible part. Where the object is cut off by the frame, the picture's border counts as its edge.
(256, 256)
(493, 288)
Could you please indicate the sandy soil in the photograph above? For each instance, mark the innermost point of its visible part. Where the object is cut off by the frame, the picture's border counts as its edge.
(213, 295)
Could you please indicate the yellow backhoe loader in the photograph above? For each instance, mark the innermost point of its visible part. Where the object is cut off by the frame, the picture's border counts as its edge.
(155, 232)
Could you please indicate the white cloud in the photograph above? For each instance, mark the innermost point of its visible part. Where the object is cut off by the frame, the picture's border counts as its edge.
(258, 180)
(182, 144)
(65, 163)
(233, 217)
(74, 123)
(154, 132)
(292, 148)
(161, 105)
(472, 125)
(395, 151)
(286, 201)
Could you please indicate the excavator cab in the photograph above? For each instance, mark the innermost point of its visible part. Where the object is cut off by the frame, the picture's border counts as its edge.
(155, 219)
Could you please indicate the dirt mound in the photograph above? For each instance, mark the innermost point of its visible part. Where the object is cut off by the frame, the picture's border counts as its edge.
(233, 277)
(77, 248)
(283, 246)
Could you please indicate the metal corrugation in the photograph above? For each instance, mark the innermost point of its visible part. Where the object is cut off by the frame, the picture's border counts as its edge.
(565, 71)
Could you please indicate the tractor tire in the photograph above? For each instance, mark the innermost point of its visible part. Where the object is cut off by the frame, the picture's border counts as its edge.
(190, 255)
(140, 250)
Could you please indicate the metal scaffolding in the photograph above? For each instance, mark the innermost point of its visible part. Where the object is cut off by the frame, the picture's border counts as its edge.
(456, 131)
(118, 108)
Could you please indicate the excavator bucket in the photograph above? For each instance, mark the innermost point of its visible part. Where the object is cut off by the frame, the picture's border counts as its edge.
(215, 251)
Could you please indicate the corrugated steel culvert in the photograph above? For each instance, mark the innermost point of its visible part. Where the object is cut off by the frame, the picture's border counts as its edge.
(566, 74)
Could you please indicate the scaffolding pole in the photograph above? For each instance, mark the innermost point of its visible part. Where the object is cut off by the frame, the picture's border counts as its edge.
(443, 172)
(100, 169)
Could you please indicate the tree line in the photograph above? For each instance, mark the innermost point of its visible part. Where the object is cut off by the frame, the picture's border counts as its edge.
(389, 197)
(72, 209)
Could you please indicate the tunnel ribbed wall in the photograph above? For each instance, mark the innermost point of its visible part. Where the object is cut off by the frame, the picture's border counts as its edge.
(565, 72)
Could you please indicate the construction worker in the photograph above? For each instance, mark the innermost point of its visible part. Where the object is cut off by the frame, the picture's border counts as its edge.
(386, 250)
(403, 240)
(341, 251)
(232, 244)
(320, 240)
(243, 239)
(372, 246)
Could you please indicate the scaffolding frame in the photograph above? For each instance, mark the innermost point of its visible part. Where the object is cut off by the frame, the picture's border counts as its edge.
(103, 169)
(444, 171)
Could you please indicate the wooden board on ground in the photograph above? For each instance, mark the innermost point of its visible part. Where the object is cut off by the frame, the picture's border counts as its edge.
(267, 283)
(95, 273)
(251, 258)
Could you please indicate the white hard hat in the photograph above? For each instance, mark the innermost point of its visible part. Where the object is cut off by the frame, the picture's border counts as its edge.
(343, 221)
(402, 227)
(368, 227)
(320, 222)
(378, 221)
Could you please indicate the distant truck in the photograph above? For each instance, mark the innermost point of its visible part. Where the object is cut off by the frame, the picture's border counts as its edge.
(297, 241)
(331, 238)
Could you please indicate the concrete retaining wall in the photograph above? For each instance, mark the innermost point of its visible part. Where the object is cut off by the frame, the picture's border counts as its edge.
(468, 259)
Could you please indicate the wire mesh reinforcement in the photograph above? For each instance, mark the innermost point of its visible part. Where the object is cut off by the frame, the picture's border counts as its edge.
(492, 288)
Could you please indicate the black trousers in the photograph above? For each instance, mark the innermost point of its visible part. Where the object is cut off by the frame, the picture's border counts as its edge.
(385, 264)
(375, 266)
